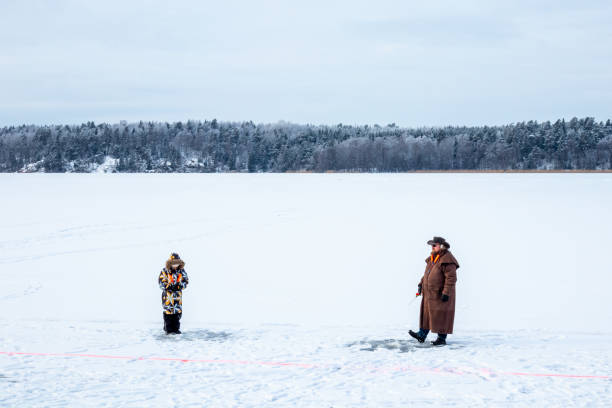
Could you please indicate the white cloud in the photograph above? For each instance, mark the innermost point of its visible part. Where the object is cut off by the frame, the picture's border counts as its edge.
(472, 62)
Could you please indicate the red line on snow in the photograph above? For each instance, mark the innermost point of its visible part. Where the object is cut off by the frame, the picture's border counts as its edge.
(452, 371)
(182, 360)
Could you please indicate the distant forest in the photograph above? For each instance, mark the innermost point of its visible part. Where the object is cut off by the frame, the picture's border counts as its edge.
(212, 146)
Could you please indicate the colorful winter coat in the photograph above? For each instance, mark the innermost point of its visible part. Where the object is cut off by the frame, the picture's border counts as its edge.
(172, 282)
(439, 279)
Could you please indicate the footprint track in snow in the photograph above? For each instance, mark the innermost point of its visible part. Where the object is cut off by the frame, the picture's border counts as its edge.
(30, 290)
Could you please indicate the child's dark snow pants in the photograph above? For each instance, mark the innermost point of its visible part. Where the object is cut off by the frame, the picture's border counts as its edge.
(172, 322)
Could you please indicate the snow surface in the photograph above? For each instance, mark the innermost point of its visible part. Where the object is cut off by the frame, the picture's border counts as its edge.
(302, 289)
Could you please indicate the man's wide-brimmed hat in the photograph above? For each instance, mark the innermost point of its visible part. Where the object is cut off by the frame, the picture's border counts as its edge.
(438, 240)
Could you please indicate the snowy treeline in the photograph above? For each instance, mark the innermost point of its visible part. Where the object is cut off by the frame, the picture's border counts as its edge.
(212, 146)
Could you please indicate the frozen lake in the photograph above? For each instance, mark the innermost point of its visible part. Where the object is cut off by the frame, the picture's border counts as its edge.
(301, 289)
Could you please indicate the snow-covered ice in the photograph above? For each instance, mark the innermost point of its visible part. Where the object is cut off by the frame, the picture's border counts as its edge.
(301, 290)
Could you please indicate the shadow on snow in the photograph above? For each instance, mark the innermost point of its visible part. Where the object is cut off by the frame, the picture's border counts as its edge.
(196, 335)
(402, 346)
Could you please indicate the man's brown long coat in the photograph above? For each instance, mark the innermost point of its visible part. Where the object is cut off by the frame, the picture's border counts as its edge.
(439, 278)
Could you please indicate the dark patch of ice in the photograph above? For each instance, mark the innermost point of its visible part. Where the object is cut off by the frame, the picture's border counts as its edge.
(400, 345)
(196, 335)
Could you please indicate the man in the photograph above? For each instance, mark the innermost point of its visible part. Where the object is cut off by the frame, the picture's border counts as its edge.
(172, 280)
(438, 290)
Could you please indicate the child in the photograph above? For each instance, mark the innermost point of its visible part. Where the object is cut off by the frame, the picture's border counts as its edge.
(172, 280)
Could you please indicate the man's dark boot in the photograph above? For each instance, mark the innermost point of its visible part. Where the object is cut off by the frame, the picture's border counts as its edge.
(440, 341)
(416, 336)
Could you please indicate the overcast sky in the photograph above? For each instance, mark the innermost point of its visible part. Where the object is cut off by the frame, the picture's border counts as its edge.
(353, 62)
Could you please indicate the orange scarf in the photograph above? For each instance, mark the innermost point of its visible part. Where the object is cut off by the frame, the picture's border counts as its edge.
(171, 277)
